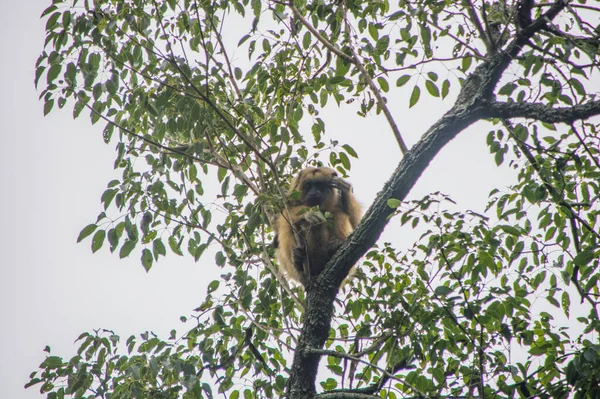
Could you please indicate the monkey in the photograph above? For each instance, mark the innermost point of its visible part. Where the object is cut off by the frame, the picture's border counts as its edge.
(305, 240)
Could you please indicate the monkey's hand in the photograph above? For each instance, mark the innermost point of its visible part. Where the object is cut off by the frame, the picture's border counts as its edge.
(315, 218)
(345, 192)
(299, 254)
(311, 217)
(341, 184)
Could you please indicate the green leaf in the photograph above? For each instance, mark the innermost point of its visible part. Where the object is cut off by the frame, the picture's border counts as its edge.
(113, 239)
(445, 88)
(396, 15)
(402, 80)
(175, 247)
(393, 203)
(432, 76)
(584, 257)
(221, 173)
(126, 248)
(385, 87)
(220, 259)
(253, 223)
(213, 286)
(565, 302)
(511, 230)
(147, 259)
(382, 44)
(373, 31)
(306, 40)
(432, 88)
(243, 39)
(499, 158)
(507, 89)
(350, 151)
(87, 230)
(49, 10)
(414, 97)
(52, 362)
(48, 106)
(158, 248)
(442, 290)
(345, 160)
(576, 84)
(53, 73)
(466, 63)
(266, 46)
(38, 74)
(357, 309)
(426, 37)
(98, 240)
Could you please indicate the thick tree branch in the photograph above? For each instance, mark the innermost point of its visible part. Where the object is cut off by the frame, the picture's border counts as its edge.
(322, 292)
(503, 60)
(471, 105)
(544, 113)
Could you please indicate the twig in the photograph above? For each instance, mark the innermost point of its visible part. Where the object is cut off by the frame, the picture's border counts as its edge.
(489, 44)
(374, 89)
(316, 33)
(327, 352)
(558, 200)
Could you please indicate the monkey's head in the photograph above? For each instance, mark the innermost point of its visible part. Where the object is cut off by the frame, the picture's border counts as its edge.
(318, 187)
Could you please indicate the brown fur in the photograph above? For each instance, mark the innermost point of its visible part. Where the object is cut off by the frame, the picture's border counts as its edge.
(305, 240)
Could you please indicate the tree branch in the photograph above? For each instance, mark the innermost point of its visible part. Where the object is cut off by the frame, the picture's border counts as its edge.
(316, 33)
(356, 359)
(544, 113)
(483, 34)
(374, 89)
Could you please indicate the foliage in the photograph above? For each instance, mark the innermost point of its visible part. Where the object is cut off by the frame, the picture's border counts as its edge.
(206, 143)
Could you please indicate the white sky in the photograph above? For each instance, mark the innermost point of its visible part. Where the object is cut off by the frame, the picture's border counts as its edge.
(54, 169)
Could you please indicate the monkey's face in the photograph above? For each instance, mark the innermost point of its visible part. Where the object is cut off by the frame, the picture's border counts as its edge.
(318, 187)
(315, 192)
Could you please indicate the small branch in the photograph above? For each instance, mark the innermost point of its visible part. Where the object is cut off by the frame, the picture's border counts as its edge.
(205, 98)
(481, 361)
(355, 60)
(316, 33)
(374, 89)
(475, 20)
(380, 102)
(384, 337)
(556, 197)
(558, 200)
(419, 63)
(227, 60)
(346, 394)
(282, 281)
(542, 112)
(326, 352)
(585, 146)
(146, 139)
(475, 52)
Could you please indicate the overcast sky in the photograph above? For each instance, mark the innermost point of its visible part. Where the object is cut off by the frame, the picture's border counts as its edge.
(54, 170)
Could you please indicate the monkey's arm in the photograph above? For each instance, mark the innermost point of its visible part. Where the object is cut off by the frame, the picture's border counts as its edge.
(348, 202)
(290, 254)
